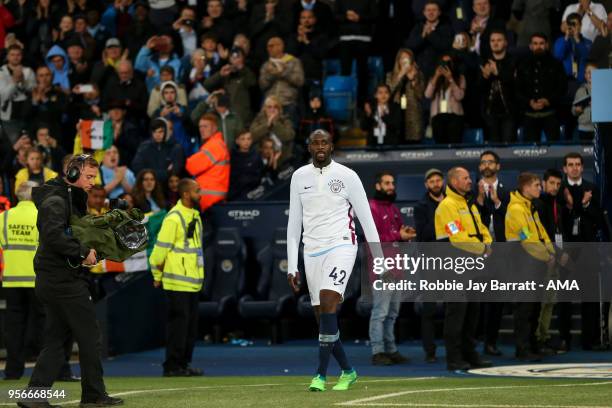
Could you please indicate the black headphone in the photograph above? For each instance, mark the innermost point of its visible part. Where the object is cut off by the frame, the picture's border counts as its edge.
(74, 168)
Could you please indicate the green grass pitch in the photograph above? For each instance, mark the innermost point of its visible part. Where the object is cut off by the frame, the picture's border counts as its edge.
(469, 392)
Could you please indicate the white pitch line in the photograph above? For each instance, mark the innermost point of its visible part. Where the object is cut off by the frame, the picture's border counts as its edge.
(434, 390)
(206, 387)
(414, 404)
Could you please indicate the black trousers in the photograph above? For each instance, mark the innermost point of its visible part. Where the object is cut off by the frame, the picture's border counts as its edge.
(460, 324)
(74, 315)
(428, 334)
(359, 51)
(535, 126)
(25, 319)
(447, 128)
(499, 128)
(492, 321)
(182, 328)
(526, 317)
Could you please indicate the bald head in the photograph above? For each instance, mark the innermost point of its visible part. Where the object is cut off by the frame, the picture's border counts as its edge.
(459, 179)
(125, 71)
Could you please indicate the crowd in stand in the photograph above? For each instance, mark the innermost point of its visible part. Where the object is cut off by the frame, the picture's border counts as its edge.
(153, 68)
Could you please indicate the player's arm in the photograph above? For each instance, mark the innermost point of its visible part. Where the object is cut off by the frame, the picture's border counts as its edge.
(358, 199)
(294, 233)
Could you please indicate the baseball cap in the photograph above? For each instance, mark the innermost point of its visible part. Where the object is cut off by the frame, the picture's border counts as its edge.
(113, 42)
(433, 172)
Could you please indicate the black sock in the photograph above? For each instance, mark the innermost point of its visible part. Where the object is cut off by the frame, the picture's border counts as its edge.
(328, 335)
(340, 355)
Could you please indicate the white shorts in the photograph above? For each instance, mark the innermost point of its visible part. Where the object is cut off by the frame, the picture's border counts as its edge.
(330, 269)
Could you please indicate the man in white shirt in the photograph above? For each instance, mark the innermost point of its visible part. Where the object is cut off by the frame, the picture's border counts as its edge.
(594, 18)
(324, 197)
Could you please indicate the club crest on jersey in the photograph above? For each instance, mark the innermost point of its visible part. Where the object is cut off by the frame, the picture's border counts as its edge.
(335, 185)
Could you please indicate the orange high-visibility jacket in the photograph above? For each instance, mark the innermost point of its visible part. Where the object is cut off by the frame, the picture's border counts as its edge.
(211, 169)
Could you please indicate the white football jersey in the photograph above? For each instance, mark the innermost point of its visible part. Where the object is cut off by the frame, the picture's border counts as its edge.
(324, 202)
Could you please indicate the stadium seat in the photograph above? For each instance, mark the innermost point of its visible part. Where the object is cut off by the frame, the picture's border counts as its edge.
(225, 278)
(275, 297)
(473, 136)
(409, 187)
(339, 96)
(376, 73)
(332, 66)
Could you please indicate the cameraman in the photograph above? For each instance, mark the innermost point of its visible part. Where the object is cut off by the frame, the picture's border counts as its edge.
(61, 288)
(237, 80)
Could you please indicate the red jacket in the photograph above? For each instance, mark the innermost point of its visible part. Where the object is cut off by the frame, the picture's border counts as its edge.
(6, 21)
(211, 169)
(388, 220)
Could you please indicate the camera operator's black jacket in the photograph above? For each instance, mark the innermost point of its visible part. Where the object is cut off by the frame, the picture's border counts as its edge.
(56, 247)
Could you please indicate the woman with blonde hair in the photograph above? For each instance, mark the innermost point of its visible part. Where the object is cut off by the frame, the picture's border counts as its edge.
(271, 122)
(407, 84)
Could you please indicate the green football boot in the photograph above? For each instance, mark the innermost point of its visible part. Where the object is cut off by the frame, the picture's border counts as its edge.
(317, 383)
(347, 378)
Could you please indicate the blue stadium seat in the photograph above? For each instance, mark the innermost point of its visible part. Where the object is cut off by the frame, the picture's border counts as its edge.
(225, 278)
(376, 73)
(409, 187)
(473, 136)
(339, 96)
(275, 297)
(332, 66)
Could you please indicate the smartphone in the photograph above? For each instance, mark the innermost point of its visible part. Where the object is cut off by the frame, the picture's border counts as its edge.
(86, 88)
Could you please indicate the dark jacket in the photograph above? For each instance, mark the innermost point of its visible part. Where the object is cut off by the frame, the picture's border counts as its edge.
(600, 51)
(238, 87)
(311, 54)
(322, 12)
(425, 219)
(590, 219)
(134, 93)
(159, 156)
(245, 173)
(393, 126)
(367, 11)
(545, 206)
(427, 50)
(540, 77)
(57, 246)
(488, 210)
(498, 90)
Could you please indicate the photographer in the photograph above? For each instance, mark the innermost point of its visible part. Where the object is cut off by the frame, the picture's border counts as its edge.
(155, 101)
(237, 79)
(185, 27)
(59, 284)
(149, 59)
(572, 49)
(446, 89)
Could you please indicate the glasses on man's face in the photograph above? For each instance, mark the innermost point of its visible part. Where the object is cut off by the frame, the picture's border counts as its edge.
(487, 162)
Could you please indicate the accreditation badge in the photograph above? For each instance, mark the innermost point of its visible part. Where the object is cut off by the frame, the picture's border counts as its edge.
(524, 233)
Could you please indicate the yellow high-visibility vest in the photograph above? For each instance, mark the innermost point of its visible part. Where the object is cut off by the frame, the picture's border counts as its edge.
(19, 241)
(182, 257)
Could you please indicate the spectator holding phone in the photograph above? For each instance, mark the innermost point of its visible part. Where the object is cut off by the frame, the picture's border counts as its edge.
(582, 106)
(272, 123)
(446, 89)
(166, 74)
(157, 52)
(185, 26)
(174, 112)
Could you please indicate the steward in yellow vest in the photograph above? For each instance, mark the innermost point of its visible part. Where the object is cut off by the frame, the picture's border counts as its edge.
(457, 221)
(177, 264)
(523, 225)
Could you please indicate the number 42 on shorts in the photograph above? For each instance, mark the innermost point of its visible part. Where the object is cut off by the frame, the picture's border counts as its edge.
(338, 276)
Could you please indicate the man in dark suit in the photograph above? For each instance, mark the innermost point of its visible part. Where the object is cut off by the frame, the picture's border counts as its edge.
(492, 200)
(425, 225)
(584, 217)
(550, 209)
